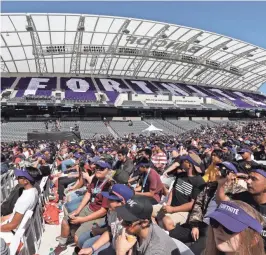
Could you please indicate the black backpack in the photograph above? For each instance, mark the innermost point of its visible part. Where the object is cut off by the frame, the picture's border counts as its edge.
(8, 206)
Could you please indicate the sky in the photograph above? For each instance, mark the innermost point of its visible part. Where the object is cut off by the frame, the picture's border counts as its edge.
(241, 20)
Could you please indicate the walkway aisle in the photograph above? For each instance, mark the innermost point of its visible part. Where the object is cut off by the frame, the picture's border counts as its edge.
(49, 239)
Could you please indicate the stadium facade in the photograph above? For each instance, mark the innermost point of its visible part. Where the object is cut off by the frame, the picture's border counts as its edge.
(112, 66)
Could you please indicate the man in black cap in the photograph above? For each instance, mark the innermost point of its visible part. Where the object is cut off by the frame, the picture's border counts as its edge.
(140, 233)
(246, 163)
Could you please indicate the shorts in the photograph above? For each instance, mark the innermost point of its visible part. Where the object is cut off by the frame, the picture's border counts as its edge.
(177, 218)
(86, 226)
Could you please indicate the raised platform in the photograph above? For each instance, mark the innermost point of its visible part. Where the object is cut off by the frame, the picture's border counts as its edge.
(54, 135)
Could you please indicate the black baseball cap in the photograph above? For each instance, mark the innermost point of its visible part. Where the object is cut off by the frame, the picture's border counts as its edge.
(136, 208)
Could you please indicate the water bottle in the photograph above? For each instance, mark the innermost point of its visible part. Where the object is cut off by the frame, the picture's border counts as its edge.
(51, 251)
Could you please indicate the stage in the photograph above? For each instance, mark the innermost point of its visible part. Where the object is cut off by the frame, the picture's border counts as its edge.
(54, 135)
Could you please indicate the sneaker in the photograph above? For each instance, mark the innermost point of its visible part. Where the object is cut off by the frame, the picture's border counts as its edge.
(59, 250)
(70, 239)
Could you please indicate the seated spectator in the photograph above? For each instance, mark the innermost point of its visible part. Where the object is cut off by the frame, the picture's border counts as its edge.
(139, 233)
(117, 196)
(211, 172)
(187, 186)
(235, 228)
(4, 164)
(68, 162)
(124, 167)
(27, 201)
(150, 184)
(159, 158)
(92, 208)
(246, 163)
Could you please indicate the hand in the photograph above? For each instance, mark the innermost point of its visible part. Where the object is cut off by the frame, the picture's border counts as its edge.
(96, 231)
(85, 175)
(227, 180)
(195, 233)
(168, 209)
(85, 251)
(122, 244)
(165, 174)
(76, 220)
(74, 213)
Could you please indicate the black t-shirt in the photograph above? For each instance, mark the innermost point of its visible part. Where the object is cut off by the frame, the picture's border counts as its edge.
(245, 166)
(247, 198)
(260, 155)
(186, 188)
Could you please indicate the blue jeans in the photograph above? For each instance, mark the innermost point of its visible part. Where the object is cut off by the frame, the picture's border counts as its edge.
(76, 194)
(86, 243)
(65, 163)
(73, 205)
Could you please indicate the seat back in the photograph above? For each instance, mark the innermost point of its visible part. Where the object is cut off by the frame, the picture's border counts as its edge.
(184, 250)
(20, 232)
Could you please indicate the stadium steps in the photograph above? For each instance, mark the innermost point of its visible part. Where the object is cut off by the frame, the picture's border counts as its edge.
(181, 129)
(112, 131)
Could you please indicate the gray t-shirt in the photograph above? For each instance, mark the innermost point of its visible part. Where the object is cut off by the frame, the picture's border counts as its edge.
(115, 225)
(157, 243)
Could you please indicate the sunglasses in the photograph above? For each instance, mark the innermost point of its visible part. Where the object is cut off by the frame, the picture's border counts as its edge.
(215, 224)
(99, 169)
(126, 223)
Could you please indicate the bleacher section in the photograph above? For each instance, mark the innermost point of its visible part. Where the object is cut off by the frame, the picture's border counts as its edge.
(14, 131)
(122, 128)
(84, 90)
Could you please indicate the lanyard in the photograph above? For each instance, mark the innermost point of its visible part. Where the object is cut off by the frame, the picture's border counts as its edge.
(145, 179)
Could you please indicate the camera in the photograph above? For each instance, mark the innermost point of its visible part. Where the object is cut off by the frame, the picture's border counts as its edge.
(224, 171)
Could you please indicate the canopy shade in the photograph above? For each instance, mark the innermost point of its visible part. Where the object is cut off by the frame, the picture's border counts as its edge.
(152, 128)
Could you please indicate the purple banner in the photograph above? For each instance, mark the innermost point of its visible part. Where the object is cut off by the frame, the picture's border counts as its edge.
(6, 83)
(33, 85)
(77, 85)
(142, 87)
(110, 84)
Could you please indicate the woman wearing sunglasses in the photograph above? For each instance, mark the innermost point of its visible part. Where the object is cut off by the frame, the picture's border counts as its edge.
(235, 229)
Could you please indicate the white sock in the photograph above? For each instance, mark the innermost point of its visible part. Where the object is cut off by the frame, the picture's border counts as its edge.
(62, 240)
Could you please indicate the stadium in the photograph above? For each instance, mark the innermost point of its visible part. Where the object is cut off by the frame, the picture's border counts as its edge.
(70, 78)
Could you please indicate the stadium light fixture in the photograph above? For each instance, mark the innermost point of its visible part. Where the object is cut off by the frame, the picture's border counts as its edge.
(164, 35)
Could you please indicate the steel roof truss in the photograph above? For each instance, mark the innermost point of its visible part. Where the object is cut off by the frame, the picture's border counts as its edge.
(76, 53)
(37, 47)
(147, 49)
(113, 48)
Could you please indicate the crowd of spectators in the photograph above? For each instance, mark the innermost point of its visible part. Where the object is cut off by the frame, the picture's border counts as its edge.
(149, 195)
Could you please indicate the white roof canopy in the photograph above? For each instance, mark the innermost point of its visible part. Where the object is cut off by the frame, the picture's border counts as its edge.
(126, 47)
(152, 128)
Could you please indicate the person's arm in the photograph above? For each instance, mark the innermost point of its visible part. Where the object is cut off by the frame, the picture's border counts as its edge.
(169, 201)
(146, 194)
(187, 207)
(13, 224)
(75, 186)
(171, 168)
(220, 193)
(84, 201)
(104, 239)
(94, 216)
(4, 218)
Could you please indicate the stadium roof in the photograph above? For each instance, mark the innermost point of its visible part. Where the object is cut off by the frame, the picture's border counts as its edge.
(115, 46)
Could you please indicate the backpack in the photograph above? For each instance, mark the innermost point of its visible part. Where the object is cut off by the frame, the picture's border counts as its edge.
(8, 205)
(51, 214)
